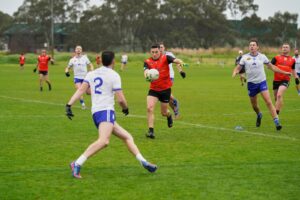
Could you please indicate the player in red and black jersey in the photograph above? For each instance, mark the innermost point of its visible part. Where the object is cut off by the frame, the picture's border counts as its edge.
(42, 66)
(22, 61)
(160, 89)
(281, 81)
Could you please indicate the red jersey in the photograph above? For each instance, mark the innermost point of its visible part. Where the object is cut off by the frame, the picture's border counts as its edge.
(22, 59)
(285, 63)
(43, 62)
(162, 65)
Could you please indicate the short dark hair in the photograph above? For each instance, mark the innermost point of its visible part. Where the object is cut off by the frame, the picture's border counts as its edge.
(107, 57)
(254, 40)
(154, 46)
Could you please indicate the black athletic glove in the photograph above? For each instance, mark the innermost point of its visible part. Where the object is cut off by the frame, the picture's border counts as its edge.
(69, 112)
(125, 111)
(182, 74)
(67, 74)
(297, 81)
(34, 70)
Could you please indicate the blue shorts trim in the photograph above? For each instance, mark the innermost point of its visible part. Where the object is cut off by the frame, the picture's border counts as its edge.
(298, 74)
(104, 116)
(78, 80)
(256, 88)
(117, 89)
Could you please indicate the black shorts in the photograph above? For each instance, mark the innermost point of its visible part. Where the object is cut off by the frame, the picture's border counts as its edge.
(45, 73)
(163, 96)
(277, 84)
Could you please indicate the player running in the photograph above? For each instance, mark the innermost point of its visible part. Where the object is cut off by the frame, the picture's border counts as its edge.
(297, 69)
(22, 61)
(242, 71)
(79, 64)
(42, 66)
(281, 82)
(103, 84)
(160, 89)
(256, 80)
(174, 104)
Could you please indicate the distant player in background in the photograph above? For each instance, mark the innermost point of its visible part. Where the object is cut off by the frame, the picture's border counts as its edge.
(124, 60)
(281, 82)
(160, 89)
(297, 69)
(22, 61)
(42, 66)
(242, 71)
(256, 80)
(174, 104)
(104, 83)
(98, 60)
(79, 64)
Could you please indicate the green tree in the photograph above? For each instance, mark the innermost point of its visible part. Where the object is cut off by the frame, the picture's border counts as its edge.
(284, 28)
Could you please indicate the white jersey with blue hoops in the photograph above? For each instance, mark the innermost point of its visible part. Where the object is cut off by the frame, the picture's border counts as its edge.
(79, 65)
(254, 67)
(103, 82)
(168, 53)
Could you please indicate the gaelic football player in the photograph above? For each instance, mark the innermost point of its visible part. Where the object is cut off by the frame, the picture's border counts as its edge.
(297, 69)
(281, 82)
(104, 84)
(79, 64)
(160, 89)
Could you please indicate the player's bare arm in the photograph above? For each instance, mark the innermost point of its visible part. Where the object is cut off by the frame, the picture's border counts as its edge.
(122, 101)
(276, 69)
(236, 70)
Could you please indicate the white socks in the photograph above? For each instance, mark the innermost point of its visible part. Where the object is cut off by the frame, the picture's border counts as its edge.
(140, 158)
(81, 160)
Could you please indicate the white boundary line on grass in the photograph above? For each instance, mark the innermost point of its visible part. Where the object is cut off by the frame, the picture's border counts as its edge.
(178, 122)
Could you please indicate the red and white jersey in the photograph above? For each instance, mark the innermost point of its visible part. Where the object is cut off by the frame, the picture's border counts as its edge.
(162, 65)
(43, 61)
(285, 63)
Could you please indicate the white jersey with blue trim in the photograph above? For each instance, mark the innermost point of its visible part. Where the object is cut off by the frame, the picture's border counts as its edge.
(79, 64)
(297, 64)
(254, 67)
(168, 53)
(103, 82)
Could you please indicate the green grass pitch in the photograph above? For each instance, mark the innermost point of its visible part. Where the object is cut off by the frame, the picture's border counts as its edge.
(201, 157)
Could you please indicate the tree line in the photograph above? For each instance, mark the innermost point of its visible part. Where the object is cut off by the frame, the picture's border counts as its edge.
(132, 25)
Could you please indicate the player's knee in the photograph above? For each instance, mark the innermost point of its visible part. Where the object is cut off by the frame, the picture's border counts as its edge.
(150, 108)
(103, 143)
(279, 96)
(164, 113)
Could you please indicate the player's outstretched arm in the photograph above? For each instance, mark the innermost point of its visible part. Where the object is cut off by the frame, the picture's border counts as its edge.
(236, 70)
(67, 72)
(276, 69)
(122, 101)
(179, 65)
